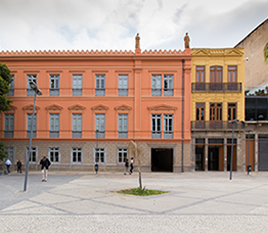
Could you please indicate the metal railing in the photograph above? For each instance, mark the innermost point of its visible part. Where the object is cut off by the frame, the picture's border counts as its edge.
(215, 125)
(216, 87)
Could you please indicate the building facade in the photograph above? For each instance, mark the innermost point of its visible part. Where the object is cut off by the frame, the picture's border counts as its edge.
(94, 102)
(217, 98)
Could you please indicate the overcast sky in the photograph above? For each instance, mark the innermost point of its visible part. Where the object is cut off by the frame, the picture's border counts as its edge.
(113, 24)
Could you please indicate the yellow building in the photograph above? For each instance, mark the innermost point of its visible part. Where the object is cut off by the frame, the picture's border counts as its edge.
(217, 98)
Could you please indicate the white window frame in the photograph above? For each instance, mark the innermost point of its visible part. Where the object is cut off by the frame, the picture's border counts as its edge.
(74, 154)
(168, 84)
(100, 85)
(156, 125)
(77, 125)
(99, 150)
(9, 125)
(122, 125)
(54, 128)
(52, 151)
(11, 86)
(77, 84)
(29, 118)
(100, 125)
(168, 126)
(122, 85)
(10, 152)
(33, 154)
(122, 152)
(156, 85)
(54, 85)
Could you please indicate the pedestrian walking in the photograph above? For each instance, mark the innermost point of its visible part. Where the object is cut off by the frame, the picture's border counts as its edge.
(131, 165)
(126, 167)
(8, 164)
(19, 166)
(45, 163)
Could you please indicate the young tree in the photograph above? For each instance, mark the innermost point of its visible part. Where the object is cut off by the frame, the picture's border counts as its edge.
(5, 80)
(137, 154)
(265, 53)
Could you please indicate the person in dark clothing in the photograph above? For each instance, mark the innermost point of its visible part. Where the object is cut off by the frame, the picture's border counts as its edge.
(19, 166)
(131, 165)
(126, 167)
(45, 163)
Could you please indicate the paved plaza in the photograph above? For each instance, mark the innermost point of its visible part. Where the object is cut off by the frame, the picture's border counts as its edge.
(83, 202)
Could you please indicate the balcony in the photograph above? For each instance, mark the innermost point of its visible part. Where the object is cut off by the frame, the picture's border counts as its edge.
(215, 125)
(216, 87)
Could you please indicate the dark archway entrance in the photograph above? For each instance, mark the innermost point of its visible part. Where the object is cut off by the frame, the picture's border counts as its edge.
(162, 160)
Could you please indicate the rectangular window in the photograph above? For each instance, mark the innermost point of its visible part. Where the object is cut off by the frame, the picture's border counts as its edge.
(200, 74)
(200, 112)
(9, 125)
(99, 155)
(100, 125)
(168, 126)
(76, 155)
(216, 78)
(54, 125)
(215, 115)
(11, 86)
(100, 85)
(33, 154)
(77, 85)
(156, 125)
(168, 85)
(10, 152)
(122, 155)
(29, 120)
(54, 154)
(232, 78)
(122, 125)
(123, 85)
(54, 85)
(232, 111)
(77, 125)
(156, 85)
(30, 91)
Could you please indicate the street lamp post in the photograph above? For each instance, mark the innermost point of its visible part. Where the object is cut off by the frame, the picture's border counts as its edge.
(248, 131)
(231, 162)
(36, 92)
(97, 146)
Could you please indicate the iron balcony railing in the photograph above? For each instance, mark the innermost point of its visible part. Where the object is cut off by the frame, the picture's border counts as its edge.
(215, 125)
(216, 87)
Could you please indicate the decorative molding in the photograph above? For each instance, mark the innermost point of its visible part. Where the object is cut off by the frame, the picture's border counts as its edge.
(217, 52)
(29, 108)
(76, 107)
(123, 107)
(100, 107)
(54, 108)
(162, 107)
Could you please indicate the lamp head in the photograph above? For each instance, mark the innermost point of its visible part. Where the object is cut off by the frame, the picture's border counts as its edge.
(35, 88)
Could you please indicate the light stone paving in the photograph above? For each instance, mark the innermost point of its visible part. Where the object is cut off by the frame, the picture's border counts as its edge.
(83, 202)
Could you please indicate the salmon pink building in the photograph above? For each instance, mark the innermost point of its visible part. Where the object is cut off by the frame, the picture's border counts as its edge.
(94, 102)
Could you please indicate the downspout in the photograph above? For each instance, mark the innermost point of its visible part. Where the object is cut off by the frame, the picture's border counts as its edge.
(182, 118)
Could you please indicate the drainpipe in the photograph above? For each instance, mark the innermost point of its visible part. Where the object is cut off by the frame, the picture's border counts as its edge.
(182, 118)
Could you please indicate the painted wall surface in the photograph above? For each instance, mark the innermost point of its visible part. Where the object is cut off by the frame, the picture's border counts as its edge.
(139, 105)
(224, 58)
(256, 70)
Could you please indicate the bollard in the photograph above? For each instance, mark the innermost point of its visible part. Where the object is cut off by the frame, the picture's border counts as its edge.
(96, 168)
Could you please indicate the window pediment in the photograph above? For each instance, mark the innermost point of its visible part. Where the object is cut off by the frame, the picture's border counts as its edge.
(100, 107)
(54, 108)
(29, 108)
(122, 108)
(12, 109)
(77, 107)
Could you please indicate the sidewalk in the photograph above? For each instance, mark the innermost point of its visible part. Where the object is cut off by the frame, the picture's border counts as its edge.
(78, 202)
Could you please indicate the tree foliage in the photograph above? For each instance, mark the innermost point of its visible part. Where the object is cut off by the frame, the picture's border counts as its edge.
(265, 53)
(5, 80)
(3, 152)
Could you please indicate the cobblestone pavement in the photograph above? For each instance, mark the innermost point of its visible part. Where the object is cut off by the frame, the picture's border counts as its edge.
(81, 202)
